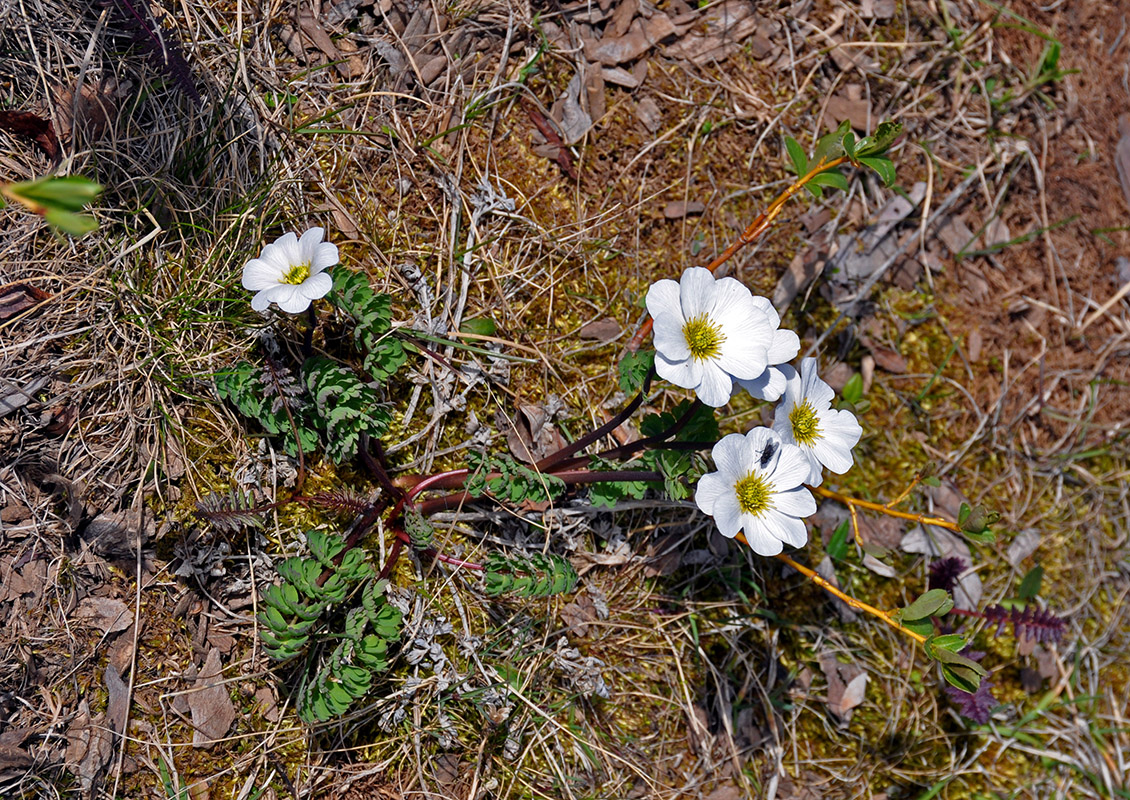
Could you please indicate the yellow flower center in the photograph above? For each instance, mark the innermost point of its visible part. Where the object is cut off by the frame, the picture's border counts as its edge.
(753, 494)
(806, 425)
(297, 274)
(704, 337)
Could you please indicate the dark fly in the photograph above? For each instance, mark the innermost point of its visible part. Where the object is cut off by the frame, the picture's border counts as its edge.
(767, 454)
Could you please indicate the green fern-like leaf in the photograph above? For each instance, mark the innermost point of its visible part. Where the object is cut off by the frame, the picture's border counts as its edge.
(538, 575)
(372, 316)
(243, 386)
(296, 613)
(515, 483)
(346, 407)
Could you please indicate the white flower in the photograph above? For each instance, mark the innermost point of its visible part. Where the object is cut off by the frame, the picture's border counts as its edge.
(770, 385)
(707, 333)
(805, 417)
(290, 272)
(759, 490)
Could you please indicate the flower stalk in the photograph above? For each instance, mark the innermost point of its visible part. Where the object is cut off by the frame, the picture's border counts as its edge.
(858, 605)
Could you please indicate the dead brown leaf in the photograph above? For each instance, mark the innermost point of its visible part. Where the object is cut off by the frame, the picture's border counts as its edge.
(677, 209)
(601, 330)
(93, 112)
(827, 570)
(117, 703)
(727, 792)
(267, 703)
(881, 532)
(641, 36)
(16, 298)
(847, 685)
(212, 710)
(13, 759)
(107, 614)
(572, 120)
(14, 512)
(532, 436)
(849, 104)
(578, 614)
(889, 359)
(31, 126)
(647, 112)
(720, 32)
(117, 534)
(1122, 156)
(445, 767)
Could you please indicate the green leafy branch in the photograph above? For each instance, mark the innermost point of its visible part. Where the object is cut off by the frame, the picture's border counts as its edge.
(245, 387)
(57, 200)
(838, 147)
(345, 407)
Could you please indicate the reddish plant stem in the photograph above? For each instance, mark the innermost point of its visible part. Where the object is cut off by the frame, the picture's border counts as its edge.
(377, 465)
(547, 463)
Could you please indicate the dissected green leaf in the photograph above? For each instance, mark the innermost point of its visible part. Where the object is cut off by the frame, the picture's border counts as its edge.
(634, 369)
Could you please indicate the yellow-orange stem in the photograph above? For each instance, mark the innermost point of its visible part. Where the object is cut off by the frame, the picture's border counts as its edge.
(853, 502)
(858, 605)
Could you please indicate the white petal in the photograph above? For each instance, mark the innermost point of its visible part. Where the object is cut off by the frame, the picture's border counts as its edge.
(276, 257)
(317, 286)
(785, 346)
(696, 292)
(258, 274)
(815, 468)
(767, 386)
(288, 249)
(663, 297)
(668, 336)
(325, 256)
(686, 373)
(260, 301)
(834, 458)
(710, 489)
(787, 528)
(842, 428)
(733, 298)
(818, 393)
(796, 502)
(761, 538)
(731, 456)
(716, 386)
(742, 355)
(292, 301)
(727, 515)
(765, 306)
(792, 467)
(781, 424)
(308, 244)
